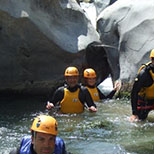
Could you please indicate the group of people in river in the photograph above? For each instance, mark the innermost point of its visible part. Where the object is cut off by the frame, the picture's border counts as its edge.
(74, 97)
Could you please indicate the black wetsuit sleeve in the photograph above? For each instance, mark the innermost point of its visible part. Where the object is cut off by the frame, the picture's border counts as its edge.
(134, 96)
(143, 79)
(85, 97)
(110, 95)
(57, 96)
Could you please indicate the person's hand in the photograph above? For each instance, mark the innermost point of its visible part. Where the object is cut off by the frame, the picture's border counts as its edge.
(117, 85)
(49, 105)
(92, 108)
(134, 118)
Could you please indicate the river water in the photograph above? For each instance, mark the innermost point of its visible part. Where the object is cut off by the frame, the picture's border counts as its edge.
(106, 132)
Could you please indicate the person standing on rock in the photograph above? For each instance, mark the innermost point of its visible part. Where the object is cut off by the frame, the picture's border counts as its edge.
(142, 95)
(72, 96)
(89, 75)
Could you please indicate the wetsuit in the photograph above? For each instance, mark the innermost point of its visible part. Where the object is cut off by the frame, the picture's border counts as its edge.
(142, 95)
(97, 95)
(83, 95)
(27, 148)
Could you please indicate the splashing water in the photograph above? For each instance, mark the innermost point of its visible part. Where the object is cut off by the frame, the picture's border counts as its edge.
(106, 132)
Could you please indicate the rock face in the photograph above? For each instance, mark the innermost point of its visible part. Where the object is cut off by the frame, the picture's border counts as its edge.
(38, 40)
(28, 58)
(62, 21)
(128, 26)
(97, 58)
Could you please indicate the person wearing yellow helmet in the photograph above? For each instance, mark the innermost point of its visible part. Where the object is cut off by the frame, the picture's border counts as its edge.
(72, 96)
(44, 138)
(142, 95)
(89, 75)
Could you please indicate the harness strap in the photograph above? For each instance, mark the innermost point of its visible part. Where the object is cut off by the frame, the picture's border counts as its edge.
(145, 107)
(142, 104)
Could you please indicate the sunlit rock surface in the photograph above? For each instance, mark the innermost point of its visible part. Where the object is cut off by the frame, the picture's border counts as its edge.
(29, 60)
(128, 26)
(62, 21)
(39, 39)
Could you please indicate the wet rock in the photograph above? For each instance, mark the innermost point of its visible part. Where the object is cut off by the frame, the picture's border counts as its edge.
(127, 25)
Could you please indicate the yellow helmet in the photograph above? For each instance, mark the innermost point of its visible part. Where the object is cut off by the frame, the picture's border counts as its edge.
(71, 71)
(89, 73)
(152, 53)
(45, 124)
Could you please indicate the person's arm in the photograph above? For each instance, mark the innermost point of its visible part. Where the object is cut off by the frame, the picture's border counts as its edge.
(102, 96)
(116, 88)
(134, 96)
(111, 94)
(57, 97)
(85, 96)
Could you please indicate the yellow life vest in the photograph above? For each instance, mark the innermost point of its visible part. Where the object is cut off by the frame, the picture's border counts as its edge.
(144, 65)
(94, 94)
(71, 102)
(147, 92)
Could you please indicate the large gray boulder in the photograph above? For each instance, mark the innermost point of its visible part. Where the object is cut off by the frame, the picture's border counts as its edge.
(38, 40)
(29, 61)
(128, 26)
(62, 21)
